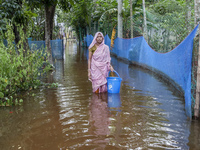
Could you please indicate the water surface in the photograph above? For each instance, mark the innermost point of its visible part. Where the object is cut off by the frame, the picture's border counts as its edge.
(147, 114)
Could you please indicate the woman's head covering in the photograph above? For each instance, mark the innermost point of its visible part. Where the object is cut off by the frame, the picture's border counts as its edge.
(94, 40)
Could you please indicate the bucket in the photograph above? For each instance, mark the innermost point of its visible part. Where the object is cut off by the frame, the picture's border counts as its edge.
(114, 100)
(113, 83)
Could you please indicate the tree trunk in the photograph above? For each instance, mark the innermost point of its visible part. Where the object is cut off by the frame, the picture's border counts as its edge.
(196, 107)
(95, 29)
(49, 16)
(131, 15)
(145, 22)
(188, 16)
(120, 26)
(16, 32)
(25, 42)
(17, 38)
(195, 13)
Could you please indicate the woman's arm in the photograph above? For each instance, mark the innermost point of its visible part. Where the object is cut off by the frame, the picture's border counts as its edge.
(89, 64)
(110, 67)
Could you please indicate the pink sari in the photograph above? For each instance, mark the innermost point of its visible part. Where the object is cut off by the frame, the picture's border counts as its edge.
(100, 65)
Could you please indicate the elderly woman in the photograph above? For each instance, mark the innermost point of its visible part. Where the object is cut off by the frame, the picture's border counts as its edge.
(99, 63)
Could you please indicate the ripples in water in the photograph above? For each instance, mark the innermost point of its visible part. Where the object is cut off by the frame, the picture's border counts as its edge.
(145, 115)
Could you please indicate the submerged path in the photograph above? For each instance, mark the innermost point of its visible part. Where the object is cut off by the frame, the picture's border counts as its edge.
(147, 114)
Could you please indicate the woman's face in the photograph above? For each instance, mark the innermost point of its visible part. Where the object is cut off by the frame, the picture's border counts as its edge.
(99, 38)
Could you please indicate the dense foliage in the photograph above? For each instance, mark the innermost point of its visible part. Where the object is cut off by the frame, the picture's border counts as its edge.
(172, 23)
(17, 12)
(19, 71)
(168, 21)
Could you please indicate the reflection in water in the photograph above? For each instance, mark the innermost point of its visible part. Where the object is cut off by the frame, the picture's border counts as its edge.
(194, 138)
(105, 121)
(58, 74)
(164, 109)
(99, 114)
(99, 119)
(114, 101)
(116, 128)
(32, 126)
(147, 114)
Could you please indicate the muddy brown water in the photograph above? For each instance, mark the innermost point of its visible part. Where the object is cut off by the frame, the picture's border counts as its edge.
(147, 114)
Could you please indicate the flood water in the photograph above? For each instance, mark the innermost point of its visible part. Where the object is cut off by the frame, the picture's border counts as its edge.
(147, 114)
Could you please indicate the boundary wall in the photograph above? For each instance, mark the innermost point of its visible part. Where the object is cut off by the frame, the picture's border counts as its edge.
(174, 66)
(57, 47)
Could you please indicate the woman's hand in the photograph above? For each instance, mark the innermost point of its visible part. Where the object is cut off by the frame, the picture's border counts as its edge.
(89, 75)
(111, 68)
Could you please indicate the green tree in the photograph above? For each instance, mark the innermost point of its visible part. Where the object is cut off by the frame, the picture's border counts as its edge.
(17, 13)
(38, 25)
(106, 15)
(80, 16)
(49, 11)
(170, 21)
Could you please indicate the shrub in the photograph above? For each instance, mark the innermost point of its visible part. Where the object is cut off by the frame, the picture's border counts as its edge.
(19, 68)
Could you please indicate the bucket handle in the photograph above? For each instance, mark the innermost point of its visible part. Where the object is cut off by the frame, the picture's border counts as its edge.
(114, 72)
